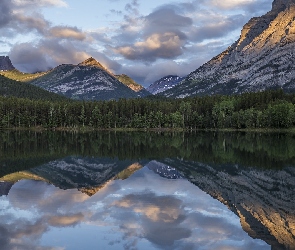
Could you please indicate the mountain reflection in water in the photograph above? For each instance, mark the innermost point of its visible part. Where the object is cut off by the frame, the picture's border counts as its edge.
(79, 196)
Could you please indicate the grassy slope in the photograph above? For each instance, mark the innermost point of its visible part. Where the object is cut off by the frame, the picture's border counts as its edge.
(9, 87)
(19, 76)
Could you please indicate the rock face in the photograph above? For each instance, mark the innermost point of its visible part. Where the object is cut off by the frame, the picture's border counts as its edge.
(263, 199)
(85, 81)
(92, 62)
(5, 63)
(130, 83)
(262, 58)
(164, 83)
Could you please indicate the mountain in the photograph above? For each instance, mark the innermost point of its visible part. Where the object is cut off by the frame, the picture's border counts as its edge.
(129, 82)
(12, 88)
(80, 172)
(86, 174)
(88, 80)
(164, 83)
(262, 58)
(163, 170)
(9, 71)
(263, 199)
(5, 63)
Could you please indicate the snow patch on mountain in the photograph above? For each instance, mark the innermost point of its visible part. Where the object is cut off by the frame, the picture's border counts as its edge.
(164, 84)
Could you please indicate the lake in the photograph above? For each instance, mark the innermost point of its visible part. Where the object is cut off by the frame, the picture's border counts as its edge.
(147, 190)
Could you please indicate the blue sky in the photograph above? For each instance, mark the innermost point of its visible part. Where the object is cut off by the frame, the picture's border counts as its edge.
(143, 39)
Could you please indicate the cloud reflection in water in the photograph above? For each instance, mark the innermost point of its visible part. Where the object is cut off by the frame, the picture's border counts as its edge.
(144, 211)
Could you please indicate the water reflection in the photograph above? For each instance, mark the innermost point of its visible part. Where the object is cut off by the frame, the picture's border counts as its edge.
(82, 195)
(144, 211)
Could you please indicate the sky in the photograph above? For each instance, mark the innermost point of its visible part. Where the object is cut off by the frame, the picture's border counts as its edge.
(143, 39)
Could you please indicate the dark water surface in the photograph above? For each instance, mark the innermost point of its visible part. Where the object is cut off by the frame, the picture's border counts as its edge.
(136, 190)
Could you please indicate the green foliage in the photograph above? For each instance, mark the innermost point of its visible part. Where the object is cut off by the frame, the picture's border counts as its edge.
(20, 76)
(14, 88)
(270, 109)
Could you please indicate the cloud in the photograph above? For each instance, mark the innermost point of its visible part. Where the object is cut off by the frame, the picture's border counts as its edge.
(215, 27)
(132, 7)
(51, 45)
(195, 56)
(4, 237)
(66, 220)
(39, 3)
(156, 208)
(162, 213)
(5, 12)
(160, 217)
(167, 19)
(28, 58)
(64, 32)
(167, 45)
(45, 55)
(35, 22)
(237, 4)
(151, 42)
(161, 37)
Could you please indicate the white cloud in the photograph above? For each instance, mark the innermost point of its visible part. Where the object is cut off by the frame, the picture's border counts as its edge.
(41, 3)
(67, 33)
(230, 4)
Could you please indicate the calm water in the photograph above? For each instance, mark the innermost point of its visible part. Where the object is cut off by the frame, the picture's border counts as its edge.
(147, 191)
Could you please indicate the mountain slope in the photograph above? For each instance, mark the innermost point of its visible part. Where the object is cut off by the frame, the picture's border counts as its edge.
(164, 83)
(20, 76)
(85, 81)
(129, 82)
(262, 58)
(12, 88)
(5, 63)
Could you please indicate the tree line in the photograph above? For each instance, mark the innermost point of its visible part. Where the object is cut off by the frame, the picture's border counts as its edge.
(268, 109)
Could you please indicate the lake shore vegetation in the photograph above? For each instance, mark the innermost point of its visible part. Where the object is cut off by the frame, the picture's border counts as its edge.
(255, 111)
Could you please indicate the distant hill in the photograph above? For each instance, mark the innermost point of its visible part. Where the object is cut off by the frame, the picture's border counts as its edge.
(85, 81)
(9, 87)
(129, 82)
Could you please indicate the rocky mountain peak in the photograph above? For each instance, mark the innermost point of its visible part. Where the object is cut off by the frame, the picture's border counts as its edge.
(281, 5)
(5, 63)
(91, 62)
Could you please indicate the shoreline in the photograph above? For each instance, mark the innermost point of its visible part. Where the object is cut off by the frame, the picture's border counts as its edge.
(92, 129)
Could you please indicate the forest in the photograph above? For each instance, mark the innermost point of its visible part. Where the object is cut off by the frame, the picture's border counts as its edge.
(268, 109)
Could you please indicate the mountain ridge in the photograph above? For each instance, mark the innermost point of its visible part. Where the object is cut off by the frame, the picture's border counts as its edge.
(88, 80)
(262, 58)
(129, 82)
